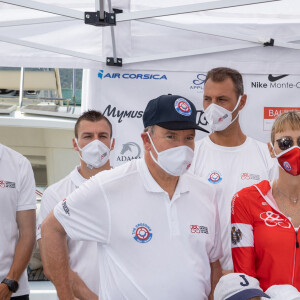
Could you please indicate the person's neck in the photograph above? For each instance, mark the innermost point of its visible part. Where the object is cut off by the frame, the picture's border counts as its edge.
(288, 184)
(230, 137)
(87, 173)
(166, 181)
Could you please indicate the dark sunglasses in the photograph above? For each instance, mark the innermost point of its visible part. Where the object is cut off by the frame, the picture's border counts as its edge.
(287, 142)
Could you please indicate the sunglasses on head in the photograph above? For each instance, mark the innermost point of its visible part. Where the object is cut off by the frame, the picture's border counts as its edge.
(287, 142)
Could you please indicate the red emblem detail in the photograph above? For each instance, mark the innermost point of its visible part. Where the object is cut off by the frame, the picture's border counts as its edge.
(195, 228)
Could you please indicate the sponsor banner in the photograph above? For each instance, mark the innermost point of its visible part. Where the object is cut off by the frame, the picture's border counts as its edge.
(122, 96)
(271, 113)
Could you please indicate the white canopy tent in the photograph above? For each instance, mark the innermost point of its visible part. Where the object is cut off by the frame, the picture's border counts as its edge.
(169, 44)
(189, 34)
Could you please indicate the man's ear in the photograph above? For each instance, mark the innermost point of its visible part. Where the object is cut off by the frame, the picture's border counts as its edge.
(243, 101)
(146, 141)
(271, 150)
(112, 144)
(75, 145)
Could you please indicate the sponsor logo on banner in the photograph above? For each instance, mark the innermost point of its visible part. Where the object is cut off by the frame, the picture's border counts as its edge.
(236, 235)
(129, 151)
(272, 220)
(102, 75)
(198, 82)
(276, 82)
(199, 229)
(214, 177)
(142, 233)
(113, 112)
(271, 113)
(200, 118)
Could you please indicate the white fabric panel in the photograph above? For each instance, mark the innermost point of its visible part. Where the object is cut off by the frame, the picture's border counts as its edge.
(246, 236)
(123, 101)
(279, 20)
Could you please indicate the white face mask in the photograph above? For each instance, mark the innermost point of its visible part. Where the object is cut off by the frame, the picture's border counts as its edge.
(218, 117)
(175, 161)
(95, 154)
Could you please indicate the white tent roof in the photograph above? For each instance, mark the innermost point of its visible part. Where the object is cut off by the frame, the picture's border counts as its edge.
(229, 37)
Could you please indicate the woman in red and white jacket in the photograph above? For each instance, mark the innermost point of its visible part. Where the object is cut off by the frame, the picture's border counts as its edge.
(265, 217)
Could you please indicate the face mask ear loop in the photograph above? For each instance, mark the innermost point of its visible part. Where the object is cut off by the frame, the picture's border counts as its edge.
(76, 141)
(273, 148)
(236, 106)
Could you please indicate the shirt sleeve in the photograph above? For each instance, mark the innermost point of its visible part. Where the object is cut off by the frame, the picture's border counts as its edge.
(26, 186)
(48, 202)
(217, 252)
(242, 240)
(84, 214)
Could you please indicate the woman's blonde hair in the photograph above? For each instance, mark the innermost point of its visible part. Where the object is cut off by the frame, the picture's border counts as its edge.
(290, 119)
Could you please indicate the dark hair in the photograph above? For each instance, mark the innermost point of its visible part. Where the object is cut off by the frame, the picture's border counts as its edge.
(92, 116)
(221, 74)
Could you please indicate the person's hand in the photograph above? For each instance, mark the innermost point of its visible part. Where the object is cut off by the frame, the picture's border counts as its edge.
(5, 293)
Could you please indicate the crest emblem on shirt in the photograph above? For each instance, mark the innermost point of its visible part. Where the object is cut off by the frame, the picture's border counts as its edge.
(236, 235)
(215, 177)
(142, 233)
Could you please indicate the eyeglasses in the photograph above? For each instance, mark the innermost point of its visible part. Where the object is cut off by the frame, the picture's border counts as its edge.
(287, 142)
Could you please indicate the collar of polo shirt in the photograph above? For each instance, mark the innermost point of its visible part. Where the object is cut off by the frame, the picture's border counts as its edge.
(151, 185)
(76, 177)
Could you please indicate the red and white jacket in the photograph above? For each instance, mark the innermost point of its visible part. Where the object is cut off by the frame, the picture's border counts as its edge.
(264, 242)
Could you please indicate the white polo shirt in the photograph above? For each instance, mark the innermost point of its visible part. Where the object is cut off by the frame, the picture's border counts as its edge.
(82, 254)
(228, 170)
(149, 247)
(17, 193)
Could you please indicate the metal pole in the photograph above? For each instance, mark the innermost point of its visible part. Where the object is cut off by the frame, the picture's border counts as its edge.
(21, 87)
(113, 39)
(74, 77)
(101, 9)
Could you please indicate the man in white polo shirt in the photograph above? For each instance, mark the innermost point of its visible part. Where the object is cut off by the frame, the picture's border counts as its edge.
(228, 159)
(157, 227)
(93, 141)
(17, 223)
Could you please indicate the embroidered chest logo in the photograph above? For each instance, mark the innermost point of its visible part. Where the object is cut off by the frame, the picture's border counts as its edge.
(199, 229)
(236, 235)
(248, 176)
(7, 184)
(142, 233)
(214, 177)
(272, 219)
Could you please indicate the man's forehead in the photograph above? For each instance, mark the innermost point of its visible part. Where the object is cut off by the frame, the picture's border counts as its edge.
(86, 126)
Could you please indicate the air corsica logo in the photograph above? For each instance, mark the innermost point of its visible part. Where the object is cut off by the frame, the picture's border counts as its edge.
(130, 150)
(142, 233)
(183, 107)
(214, 177)
(103, 75)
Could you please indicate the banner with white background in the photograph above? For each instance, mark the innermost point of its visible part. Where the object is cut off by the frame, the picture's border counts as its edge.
(122, 95)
